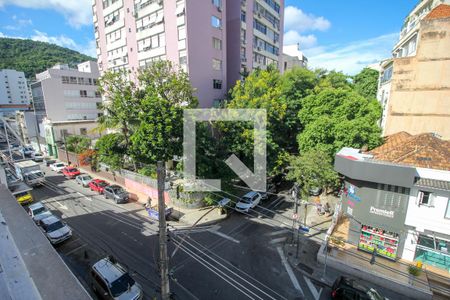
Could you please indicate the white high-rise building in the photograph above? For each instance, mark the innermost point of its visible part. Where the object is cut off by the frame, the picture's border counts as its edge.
(14, 94)
(65, 94)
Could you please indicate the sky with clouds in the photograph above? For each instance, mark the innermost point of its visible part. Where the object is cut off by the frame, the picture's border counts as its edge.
(340, 35)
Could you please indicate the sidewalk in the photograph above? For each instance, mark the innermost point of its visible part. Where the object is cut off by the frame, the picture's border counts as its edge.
(185, 217)
(392, 275)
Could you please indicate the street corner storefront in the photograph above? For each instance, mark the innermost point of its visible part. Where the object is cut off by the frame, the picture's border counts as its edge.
(377, 215)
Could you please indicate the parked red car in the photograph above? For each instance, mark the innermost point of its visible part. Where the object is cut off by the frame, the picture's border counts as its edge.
(71, 172)
(98, 185)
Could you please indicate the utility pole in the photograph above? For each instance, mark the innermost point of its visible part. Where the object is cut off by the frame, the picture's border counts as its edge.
(164, 260)
(65, 147)
(295, 195)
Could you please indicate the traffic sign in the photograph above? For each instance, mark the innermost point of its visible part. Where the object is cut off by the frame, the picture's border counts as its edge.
(295, 216)
(303, 228)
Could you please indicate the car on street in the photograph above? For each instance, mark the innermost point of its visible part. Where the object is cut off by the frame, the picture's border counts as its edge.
(248, 201)
(110, 280)
(26, 150)
(271, 190)
(348, 288)
(58, 167)
(49, 161)
(98, 185)
(37, 156)
(70, 172)
(117, 193)
(55, 229)
(83, 180)
(24, 197)
(37, 211)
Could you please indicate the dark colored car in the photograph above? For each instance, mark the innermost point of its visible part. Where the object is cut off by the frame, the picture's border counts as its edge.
(98, 185)
(348, 288)
(117, 193)
(49, 161)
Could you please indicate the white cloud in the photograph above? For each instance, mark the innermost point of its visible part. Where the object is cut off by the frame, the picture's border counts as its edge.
(18, 23)
(352, 57)
(293, 37)
(297, 20)
(77, 12)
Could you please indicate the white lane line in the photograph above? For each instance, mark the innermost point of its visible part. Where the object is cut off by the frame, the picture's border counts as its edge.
(278, 240)
(313, 289)
(289, 271)
(224, 236)
(84, 196)
(75, 250)
(277, 232)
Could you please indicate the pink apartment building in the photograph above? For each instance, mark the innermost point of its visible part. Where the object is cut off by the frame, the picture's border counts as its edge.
(212, 40)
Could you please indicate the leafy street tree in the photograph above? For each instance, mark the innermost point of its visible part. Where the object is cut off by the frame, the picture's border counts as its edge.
(111, 149)
(366, 82)
(334, 118)
(260, 90)
(122, 105)
(312, 169)
(77, 143)
(166, 91)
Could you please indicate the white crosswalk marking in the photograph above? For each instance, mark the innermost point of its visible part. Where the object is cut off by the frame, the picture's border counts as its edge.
(312, 288)
(289, 271)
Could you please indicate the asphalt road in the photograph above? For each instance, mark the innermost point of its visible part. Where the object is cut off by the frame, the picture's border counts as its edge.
(236, 259)
(240, 258)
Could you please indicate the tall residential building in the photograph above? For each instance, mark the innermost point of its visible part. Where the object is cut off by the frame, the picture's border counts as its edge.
(65, 94)
(14, 93)
(414, 84)
(212, 40)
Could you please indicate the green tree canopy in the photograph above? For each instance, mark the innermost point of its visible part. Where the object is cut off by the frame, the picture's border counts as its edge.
(122, 105)
(78, 143)
(111, 149)
(32, 57)
(334, 118)
(366, 82)
(166, 91)
(311, 169)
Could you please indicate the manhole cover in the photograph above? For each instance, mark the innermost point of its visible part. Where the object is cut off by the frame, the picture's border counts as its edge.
(305, 268)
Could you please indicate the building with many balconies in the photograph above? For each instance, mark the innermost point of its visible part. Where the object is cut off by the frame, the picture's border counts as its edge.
(214, 41)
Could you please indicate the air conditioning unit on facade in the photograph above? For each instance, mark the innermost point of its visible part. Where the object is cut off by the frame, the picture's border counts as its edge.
(219, 9)
(160, 2)
(259, 48)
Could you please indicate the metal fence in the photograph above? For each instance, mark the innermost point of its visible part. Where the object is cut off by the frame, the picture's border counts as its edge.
(143, 179)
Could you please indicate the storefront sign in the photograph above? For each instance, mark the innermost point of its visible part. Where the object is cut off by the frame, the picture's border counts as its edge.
(382, 212)
(351, 193)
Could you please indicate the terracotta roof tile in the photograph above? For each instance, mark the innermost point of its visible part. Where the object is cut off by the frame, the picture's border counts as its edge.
(422, 150)
(439, 12)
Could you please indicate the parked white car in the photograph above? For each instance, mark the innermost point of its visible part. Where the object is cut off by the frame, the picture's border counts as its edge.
(37, 156)
(58, 167)
(83, 180)
(248, 201)
(55, 230)
(111, 280)
(38, 212)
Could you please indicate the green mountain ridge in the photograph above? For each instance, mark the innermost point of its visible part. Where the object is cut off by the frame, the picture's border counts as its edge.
(32, 57)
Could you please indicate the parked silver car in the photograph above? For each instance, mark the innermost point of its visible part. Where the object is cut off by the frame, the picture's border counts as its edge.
(117, 193)
(110, 280)
(38, 212)
(55, 230)
(83, 180)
